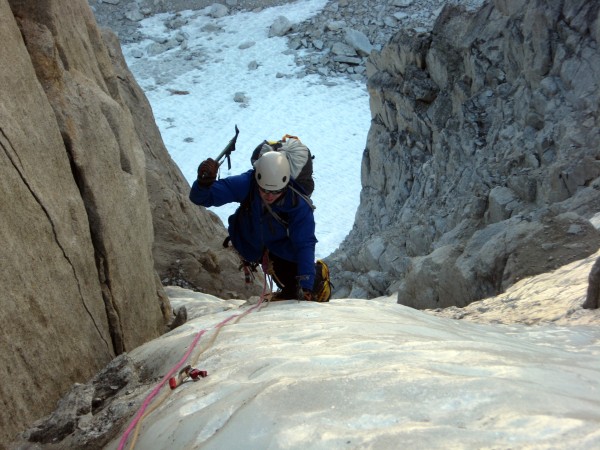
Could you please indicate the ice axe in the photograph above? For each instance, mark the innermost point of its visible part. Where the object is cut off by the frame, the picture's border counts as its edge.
(225, 154)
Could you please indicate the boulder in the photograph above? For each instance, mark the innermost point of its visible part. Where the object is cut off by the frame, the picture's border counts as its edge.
(280, 27)
(359, 41)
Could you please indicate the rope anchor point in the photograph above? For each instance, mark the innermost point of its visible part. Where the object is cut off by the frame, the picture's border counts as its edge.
(185, 373)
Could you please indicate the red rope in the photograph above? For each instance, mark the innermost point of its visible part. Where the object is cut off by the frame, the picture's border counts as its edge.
(157, 389)
(175, 368)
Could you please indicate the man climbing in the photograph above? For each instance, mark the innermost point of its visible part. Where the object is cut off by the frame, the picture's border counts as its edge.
(273, 216)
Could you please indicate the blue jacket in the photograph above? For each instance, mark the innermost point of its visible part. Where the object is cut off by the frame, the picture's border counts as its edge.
(252, 233)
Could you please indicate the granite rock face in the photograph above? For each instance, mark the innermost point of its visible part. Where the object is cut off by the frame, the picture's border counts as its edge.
(90, 201)
(482, 160)
(77, 270)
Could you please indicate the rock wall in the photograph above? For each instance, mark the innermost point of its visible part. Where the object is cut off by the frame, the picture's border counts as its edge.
(482, 160)
(80, 208)
(188, 239)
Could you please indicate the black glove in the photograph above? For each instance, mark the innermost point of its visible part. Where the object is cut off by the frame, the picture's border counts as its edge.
(207, 172)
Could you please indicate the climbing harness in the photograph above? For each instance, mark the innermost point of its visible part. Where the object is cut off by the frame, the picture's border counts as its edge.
(270, 270)
(249, 268)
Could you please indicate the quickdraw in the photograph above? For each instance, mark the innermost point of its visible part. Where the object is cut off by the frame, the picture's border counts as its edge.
(185, 373)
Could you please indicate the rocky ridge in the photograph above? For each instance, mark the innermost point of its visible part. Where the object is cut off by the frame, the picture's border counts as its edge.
(336, 42)
(340, 39)
(481, 166)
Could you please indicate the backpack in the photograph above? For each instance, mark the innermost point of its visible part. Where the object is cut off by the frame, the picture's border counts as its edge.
(299, 157)
(322, 286)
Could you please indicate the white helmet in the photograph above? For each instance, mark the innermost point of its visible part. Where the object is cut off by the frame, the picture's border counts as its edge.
(272, 171)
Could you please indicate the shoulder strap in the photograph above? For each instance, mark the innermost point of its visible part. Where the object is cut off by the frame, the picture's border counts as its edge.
(276, 216)
(304, 196)
(245, 204)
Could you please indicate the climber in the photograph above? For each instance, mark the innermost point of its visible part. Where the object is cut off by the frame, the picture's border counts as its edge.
(273, 216)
